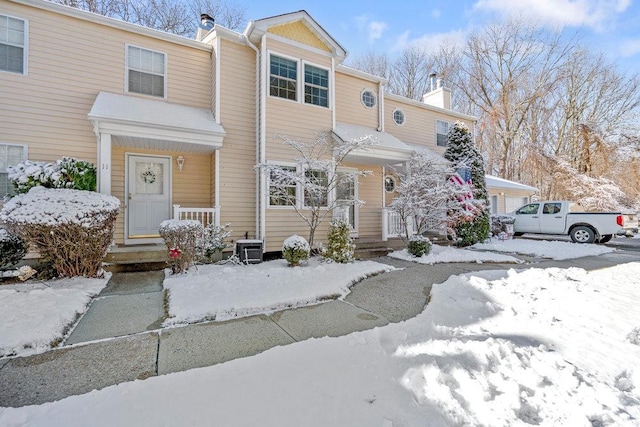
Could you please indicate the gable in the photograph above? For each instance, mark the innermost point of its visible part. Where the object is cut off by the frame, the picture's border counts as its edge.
(299, 32)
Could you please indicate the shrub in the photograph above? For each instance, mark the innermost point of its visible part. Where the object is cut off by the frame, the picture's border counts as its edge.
(340, 247)
(71, 229)
(295, 249)
(182, 238)
(502, 225)
(12, 249)
(213, 242)
(418, 246)
(65, 173)
(478, 230)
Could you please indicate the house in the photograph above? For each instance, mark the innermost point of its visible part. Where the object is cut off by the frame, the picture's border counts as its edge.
(506, 196)
(173, 121)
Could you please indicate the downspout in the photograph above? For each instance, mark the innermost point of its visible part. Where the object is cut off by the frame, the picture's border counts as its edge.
(216, 201)
(258, 138)
(381, 107)
(333, 93)
(263, 137)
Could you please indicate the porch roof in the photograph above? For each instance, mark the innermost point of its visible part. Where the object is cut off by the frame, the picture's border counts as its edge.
(146, 123)
(386, 148)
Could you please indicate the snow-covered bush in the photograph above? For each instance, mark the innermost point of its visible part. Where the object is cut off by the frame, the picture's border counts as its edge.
(340, 247)
(64, 173)
(12, 249)
(295, 249)
(213, 242)
(418, 245)
(71, 229)
(502, 225)
(182, 238)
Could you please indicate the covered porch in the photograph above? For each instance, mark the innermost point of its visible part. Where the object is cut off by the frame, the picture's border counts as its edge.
(160, 159)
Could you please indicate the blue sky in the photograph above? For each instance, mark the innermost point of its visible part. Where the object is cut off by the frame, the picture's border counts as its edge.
(612, 26)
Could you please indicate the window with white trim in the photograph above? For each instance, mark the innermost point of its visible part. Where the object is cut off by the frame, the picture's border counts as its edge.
(283, 77)
(316, 85)
(368, 98)
(442, 133)
(10, 155)
(146, 71)
(13, 44)
(398, 116)
(317, 193)
(282, 190)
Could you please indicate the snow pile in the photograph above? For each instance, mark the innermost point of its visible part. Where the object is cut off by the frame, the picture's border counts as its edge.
(222, 292)
(440, 254)
(53, 207)
(491, 348)
(33, 315)
(545, 249)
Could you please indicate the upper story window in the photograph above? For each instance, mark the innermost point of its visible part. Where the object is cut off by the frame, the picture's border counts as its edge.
(10, 155)
(13, 42)
(316, 85)
(283, 78)
(146, 71)
(368, 98)
(398, 116)
(442, 133)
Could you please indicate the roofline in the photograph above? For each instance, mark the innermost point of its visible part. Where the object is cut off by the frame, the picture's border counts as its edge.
(520, 185)
(361, 74)
(340, 51)
(430, 107)
(113, 23)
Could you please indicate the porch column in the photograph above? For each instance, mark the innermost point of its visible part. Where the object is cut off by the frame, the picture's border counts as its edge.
(216, 182)
(104, 162)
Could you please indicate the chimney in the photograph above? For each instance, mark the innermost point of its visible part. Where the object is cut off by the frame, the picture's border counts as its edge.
(438, 95)
(206, 25)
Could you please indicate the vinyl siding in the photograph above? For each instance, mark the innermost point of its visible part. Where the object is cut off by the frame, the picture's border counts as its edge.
(47, 109)
(238, 153)
(349, 107)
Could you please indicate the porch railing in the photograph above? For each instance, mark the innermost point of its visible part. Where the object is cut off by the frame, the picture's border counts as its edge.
(392, 224)
(205, 215)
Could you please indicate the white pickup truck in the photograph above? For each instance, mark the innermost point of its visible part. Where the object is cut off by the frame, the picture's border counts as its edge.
(560, 217)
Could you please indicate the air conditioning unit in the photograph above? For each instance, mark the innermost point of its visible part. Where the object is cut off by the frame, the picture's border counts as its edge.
(249, 251)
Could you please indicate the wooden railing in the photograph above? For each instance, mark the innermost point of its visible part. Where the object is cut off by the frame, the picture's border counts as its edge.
(392, 224)
(205, 215)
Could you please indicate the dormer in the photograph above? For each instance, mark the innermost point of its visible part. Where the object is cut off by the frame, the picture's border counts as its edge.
(298, 28)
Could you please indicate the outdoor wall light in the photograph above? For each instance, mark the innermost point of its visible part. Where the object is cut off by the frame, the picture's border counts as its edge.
(180, 161)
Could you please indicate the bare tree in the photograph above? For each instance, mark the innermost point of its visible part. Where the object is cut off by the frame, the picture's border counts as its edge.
(409, 74)
(317, 177)
(371, 62)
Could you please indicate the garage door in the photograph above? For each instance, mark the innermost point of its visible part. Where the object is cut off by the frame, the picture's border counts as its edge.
(513, 203)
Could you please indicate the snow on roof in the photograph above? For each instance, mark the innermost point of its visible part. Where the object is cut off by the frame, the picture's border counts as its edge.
(138, 111)
(348, 132)
(495, 182)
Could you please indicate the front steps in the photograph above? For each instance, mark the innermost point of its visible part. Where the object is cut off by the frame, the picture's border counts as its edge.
(122, 258)
(372, 248)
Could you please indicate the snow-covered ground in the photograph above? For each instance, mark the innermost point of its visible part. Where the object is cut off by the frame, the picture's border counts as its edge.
(443, 254)
(536, 346)
(222, 292)
(35, 314)
(544, 249)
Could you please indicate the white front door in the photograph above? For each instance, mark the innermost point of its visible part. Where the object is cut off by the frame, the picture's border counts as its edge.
(148, 196)
(346, 193)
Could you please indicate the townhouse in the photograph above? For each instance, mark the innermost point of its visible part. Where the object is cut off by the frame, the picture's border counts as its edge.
(171, 121)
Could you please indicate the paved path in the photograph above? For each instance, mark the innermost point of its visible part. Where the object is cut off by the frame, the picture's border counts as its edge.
(120, 338)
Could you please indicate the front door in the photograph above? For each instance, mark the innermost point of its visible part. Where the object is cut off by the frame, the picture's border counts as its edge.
(148, 196)
(346, 193)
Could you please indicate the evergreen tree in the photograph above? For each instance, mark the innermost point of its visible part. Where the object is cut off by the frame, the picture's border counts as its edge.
(462, 152)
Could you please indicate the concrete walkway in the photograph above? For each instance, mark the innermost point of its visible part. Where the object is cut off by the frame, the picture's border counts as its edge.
(120, 337)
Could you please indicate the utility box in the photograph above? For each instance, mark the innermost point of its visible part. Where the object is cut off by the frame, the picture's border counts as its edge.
(249, 251)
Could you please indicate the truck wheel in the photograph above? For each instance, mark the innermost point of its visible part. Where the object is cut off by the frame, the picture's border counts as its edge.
(605, 238)
(582, 234)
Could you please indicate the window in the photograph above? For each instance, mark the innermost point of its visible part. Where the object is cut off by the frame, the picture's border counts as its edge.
(284, 75)
(389, 184)
(551, 208)
(398, 116)
(494, 204)
(530, 209)
(146, 71)
(10, 155)
(316, 86)
(442, 131)
(317, 194)
(368, 98)
(13, 36)
(282, 191)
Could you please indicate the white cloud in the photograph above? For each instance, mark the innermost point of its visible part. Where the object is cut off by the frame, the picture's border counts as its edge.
(436, 13)
(431, 42)
(596, 14)
(376, 29)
